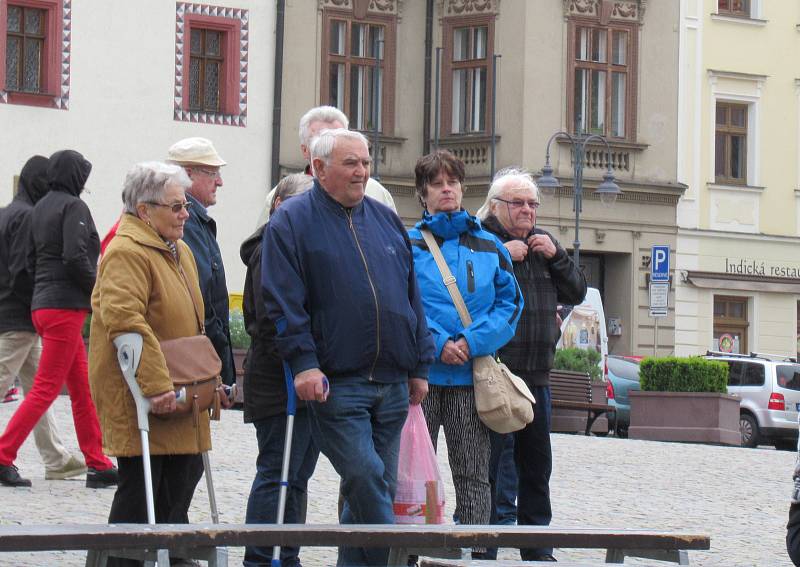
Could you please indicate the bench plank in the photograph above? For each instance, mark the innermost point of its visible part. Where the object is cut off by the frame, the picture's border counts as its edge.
(172, 536)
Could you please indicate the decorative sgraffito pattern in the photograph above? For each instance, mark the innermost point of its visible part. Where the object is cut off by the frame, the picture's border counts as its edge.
(622, 10)
(61, 98)
(182, 10)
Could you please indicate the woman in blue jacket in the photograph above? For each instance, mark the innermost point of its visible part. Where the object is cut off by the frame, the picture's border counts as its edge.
(482, 268)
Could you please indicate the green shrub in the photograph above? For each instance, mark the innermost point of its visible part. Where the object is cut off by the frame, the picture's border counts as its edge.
(691, 374)
(579, 360)
(239, 336)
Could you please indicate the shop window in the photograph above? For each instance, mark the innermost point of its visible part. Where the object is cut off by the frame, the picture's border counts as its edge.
(602, 77)
(730, 324)
(467, 57)
(32, 50)
(730, 146)
(740, 8)
(358, 69)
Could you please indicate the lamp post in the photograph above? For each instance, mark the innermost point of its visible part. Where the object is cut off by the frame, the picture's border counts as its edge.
(376, 104)
(608, 190)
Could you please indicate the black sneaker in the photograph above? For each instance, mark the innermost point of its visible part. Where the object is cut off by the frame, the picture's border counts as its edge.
(102, 479)
(9, 476)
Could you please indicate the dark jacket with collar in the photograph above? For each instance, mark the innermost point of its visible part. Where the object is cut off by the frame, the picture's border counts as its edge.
(343, 280)
(545, 283)
(264, 381)
(63, 257)
(16, 285)
(200, 233)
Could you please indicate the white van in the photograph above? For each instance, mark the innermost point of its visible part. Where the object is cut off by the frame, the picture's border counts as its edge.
(585, 327)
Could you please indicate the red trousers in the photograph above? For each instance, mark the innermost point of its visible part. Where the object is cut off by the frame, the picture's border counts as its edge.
(63, 360)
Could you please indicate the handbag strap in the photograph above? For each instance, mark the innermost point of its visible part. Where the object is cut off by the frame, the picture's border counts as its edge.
(447, 277)
(194, 303)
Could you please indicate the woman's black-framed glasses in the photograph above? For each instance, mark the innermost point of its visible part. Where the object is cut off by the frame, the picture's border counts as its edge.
(518, 203)
(174, 207)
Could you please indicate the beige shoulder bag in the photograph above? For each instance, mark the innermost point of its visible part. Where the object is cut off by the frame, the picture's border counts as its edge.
(503, 400)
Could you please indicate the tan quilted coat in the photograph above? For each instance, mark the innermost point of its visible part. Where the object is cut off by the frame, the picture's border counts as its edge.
(140, 289)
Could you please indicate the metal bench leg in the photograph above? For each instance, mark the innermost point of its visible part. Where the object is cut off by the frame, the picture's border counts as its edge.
(590, 419)
(679, 556)
(96, 558)
(398, 557)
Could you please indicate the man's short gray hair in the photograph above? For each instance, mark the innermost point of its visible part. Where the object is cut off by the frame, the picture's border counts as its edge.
(320, 114)
(146, 181)
(322, 145)
(289, 186)
(516, 175)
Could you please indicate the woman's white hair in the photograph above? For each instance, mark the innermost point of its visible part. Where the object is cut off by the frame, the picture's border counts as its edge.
(146, 181)
(506, 176)
(322, 145)
(320, 114)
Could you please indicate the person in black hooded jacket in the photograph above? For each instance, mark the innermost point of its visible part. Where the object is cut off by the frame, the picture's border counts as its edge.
(265, 403)
(20, 347)
(62, 260)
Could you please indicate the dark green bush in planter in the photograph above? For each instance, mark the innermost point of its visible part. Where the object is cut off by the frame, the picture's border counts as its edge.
(674, 374)
(579, 360)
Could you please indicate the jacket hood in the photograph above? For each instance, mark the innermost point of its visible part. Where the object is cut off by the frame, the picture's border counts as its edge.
(250, 245)
(449, 225)
(33, 180)
(68, 171)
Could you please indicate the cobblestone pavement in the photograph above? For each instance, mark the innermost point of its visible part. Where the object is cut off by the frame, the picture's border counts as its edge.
(737, 496)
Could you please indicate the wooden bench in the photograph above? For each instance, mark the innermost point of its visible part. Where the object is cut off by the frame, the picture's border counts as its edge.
(573, 391)
(199, 541)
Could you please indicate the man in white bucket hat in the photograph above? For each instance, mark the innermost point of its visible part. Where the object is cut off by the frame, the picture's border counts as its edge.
(202, 163)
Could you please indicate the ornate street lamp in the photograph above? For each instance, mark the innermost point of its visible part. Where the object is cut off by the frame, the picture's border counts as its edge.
(608, 190)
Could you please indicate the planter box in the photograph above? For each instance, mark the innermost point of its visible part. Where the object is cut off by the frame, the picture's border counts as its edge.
(694, 417)
(573, 421)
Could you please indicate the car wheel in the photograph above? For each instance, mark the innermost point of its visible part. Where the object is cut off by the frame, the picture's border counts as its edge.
(748, 427)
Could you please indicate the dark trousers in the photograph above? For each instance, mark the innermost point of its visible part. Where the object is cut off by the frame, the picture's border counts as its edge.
(533, 457)
(175, 478)
(262, 504)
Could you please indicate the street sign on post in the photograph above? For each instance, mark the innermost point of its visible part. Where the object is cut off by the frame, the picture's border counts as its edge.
(659, 298)
(659, 264)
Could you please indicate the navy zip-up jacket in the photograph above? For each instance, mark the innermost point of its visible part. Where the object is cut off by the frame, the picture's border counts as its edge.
(344, 281)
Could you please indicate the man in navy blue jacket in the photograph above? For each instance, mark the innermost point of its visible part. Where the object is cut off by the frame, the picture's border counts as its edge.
(338, 274)
(202, 164)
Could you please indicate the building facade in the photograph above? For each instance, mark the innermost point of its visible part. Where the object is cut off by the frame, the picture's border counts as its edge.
(122, 81)
(607, 67)
(737, 274)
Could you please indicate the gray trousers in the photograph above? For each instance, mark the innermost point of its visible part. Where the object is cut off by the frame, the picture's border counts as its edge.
(19, 356)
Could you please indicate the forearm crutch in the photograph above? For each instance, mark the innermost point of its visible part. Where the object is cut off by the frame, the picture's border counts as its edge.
(129, 353)
(291, 409)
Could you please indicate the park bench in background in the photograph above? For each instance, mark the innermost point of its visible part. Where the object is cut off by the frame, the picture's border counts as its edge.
(200, 540)
(573, 391)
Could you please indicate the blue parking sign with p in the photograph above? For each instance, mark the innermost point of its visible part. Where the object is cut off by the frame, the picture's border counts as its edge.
(659, 264)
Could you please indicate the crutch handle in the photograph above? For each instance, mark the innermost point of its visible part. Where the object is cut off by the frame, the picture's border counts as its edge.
(129, 354)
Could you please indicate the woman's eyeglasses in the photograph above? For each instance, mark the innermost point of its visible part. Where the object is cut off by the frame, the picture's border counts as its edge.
(174, 207)
(518, 204)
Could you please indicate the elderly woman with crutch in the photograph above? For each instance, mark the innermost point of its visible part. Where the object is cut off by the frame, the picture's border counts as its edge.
(148, 285)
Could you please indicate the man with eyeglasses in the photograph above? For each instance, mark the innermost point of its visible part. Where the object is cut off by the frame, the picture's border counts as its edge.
(547, 276)
(202, 164)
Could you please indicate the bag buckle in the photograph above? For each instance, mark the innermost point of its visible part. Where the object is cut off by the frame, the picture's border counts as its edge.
(450, 280)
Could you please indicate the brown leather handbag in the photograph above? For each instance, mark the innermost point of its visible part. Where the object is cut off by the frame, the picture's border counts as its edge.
(194, 365)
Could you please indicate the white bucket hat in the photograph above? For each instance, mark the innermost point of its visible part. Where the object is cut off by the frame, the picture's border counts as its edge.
(199, 151)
